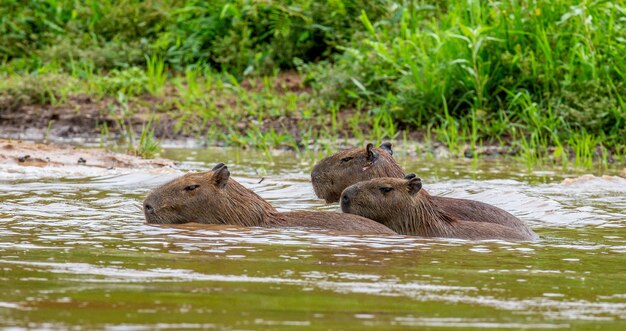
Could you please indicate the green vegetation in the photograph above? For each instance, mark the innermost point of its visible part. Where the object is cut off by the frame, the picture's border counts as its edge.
(544, 78)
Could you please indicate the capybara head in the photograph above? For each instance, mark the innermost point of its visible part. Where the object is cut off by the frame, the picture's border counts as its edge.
(210, 197)
(386, 200)
(338, 171)
(403, 206)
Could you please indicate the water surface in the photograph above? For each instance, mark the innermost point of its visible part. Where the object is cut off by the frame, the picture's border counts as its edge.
(75, 253)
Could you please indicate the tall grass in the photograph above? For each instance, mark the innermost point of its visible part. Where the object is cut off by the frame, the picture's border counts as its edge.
(544, 70)
(148, 146)
(156, 71)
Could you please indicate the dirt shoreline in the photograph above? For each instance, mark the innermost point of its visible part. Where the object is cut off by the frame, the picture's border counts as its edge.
(64, 124)
(82, 117)
(28, 153)
(85, 120)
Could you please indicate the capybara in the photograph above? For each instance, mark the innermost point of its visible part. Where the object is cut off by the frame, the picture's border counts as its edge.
(213, 197)
(333, 174)
(402, 205)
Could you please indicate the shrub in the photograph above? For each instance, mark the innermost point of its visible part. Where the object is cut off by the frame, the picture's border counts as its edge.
(476, 56)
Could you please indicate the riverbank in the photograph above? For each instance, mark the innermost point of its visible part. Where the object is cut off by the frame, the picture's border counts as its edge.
(274, 112)
(538, 81)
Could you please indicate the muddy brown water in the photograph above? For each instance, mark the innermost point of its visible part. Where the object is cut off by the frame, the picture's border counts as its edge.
(75, 253)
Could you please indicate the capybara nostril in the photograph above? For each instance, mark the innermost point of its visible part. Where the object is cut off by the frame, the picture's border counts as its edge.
(148, 208)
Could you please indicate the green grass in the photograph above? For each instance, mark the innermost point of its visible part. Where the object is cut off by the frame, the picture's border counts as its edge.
(545, 71)
(156, 71)
(148, 146)
(544, 78)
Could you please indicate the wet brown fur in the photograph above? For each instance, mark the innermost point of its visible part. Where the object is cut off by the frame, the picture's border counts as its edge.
(333, 174)
(404, 207)
(213, 197)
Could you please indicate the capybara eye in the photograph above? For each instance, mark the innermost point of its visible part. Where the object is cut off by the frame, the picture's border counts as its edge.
(346, 159)
(386, 189)
(191, 187)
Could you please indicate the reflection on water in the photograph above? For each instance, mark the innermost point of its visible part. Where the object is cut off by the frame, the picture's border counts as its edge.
(74, 251)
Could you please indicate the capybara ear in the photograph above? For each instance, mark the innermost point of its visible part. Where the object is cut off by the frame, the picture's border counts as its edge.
(220, 176)
(415, 185)
(410, 176)
(386, 146)
(371, 155)
(217, 166)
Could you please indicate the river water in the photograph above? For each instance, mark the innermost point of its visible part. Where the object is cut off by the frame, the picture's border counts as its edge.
(75, 253)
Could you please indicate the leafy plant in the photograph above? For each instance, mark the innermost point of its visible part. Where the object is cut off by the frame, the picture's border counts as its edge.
(148, 145)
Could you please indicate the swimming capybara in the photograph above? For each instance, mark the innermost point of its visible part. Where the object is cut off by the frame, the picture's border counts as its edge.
(213, 197)
(402, 205)
(333, 174)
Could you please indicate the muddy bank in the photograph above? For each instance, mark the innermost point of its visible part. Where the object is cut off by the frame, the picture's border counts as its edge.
(588, 180)
(279, 113)
(27, 153)
(84, 117)
(80, 118)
